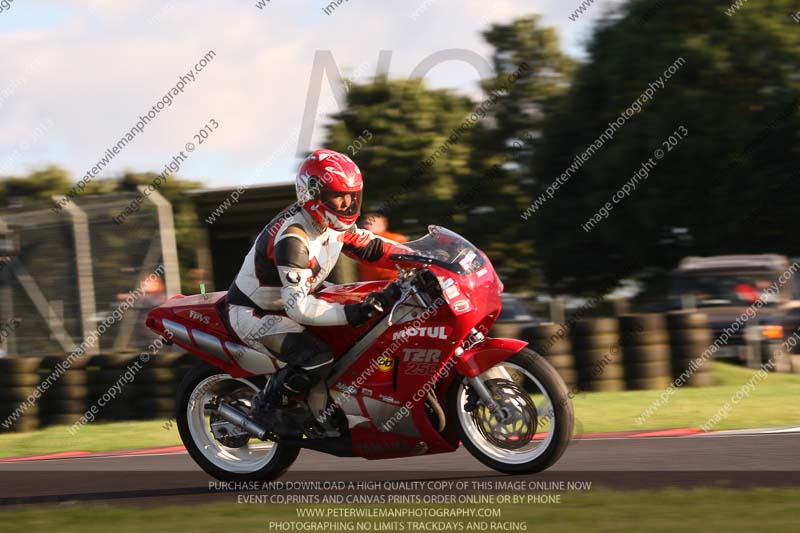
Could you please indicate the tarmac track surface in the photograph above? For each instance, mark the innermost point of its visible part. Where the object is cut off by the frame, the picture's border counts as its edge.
(725, 459)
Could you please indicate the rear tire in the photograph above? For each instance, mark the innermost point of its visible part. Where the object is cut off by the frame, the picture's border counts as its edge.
(280, 457)
(550, 449)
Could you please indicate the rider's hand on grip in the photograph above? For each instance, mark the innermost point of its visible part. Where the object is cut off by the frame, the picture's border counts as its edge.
(386, 297)
(374, 303)
(360, 312)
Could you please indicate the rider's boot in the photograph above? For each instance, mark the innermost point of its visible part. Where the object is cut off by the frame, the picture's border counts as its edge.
(272, 395)
(268, 404)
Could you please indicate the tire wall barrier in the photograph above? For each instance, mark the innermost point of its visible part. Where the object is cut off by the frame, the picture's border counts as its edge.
(689, 337)
(646, 351)
(775, 353)
(117, 386)
(18, 377)
(552, 342)
(598, 357)
(66, 399)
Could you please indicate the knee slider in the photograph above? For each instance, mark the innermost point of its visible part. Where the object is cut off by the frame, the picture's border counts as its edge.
(299, 380)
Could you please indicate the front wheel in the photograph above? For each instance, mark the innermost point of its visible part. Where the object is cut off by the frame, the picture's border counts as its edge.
(536, 420)
(221, 449)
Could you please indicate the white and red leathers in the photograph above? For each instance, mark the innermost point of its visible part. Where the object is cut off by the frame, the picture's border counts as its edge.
(290, 259)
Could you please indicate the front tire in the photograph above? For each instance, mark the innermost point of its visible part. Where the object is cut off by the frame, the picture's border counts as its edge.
(555, 417)
(245, 460)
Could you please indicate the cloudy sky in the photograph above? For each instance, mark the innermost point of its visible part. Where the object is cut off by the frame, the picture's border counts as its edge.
(75, 75)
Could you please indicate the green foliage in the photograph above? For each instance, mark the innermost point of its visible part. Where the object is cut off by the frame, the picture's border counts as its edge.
(40, 185)
(730, 183)
(504, 145)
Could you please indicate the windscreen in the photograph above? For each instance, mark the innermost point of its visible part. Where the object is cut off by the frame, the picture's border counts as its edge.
(729, 289)
(444, 248)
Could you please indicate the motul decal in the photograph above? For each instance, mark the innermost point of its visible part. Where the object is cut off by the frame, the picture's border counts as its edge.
(435, 332)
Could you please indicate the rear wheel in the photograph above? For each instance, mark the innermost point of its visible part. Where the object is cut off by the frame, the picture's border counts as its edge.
(235, 456)
(537, 421)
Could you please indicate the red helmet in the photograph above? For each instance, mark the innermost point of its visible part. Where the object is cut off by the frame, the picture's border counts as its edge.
(329, 188)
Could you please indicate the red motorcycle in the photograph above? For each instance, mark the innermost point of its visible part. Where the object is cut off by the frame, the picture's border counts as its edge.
(417, 379)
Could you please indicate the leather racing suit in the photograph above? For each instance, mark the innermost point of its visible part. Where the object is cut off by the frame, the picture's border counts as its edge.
(271, 299)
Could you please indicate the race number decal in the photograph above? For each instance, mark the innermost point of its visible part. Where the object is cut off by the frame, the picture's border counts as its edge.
(385, 363)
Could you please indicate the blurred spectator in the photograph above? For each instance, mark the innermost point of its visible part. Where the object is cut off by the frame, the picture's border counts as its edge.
(153, 293)
(379, 225)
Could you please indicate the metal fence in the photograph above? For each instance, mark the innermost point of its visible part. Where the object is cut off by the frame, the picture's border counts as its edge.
(69, 271)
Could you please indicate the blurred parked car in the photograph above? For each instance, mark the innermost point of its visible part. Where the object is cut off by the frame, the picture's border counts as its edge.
(724, 288)
(515, 316)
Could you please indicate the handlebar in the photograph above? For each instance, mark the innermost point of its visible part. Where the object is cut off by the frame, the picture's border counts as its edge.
(404, 282)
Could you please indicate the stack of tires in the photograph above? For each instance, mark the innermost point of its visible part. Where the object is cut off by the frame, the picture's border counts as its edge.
(18, 379)
(157, 384)
(146, 385)
(779, 359)
(183, 364)
(118, 398)
(551, 341)
(646, 353)
(689, 337)
(65, 400)
(597, 354)
(506, 330)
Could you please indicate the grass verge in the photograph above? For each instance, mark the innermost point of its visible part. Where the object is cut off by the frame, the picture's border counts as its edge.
(773, 402)
(96, 437)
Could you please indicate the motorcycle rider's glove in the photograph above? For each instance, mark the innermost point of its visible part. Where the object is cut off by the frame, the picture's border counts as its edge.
(375, 303)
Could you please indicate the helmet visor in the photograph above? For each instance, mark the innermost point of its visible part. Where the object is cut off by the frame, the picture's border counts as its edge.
(342, 203)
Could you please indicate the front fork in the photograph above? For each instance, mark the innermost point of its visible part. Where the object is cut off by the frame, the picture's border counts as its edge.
(477, 382)
(478, 386)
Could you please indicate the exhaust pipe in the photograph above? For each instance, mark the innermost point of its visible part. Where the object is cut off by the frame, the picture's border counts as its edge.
(237, 418)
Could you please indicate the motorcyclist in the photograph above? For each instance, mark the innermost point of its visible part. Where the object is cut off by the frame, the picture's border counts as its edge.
(271, 299)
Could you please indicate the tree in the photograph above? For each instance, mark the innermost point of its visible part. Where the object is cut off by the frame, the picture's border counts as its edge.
(531, 73)
(727, 187)
(40, 185)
